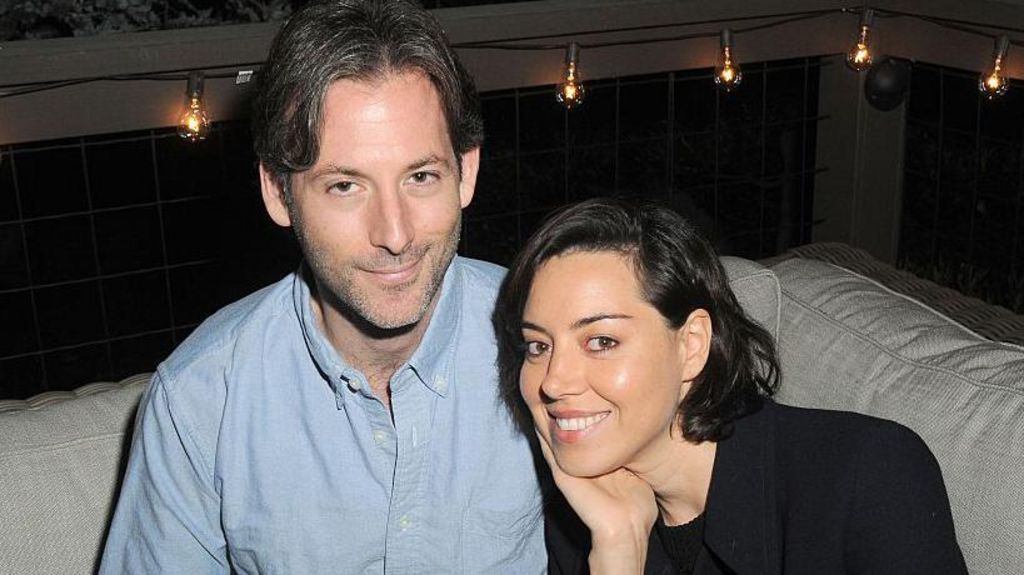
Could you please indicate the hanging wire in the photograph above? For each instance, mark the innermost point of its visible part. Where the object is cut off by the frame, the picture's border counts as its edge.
(516, 43)
(524, 43)
(176, 75)
(956, 24)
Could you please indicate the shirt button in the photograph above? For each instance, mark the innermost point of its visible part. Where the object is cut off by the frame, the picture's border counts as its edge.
(404, 522)
(379, 437)
(441, 384)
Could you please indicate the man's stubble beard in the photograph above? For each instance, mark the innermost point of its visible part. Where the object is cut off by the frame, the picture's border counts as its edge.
(353, 302)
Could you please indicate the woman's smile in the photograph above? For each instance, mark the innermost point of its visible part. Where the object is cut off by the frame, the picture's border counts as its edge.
(570, 427)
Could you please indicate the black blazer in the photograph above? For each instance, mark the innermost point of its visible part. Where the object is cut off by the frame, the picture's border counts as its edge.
(806, 491)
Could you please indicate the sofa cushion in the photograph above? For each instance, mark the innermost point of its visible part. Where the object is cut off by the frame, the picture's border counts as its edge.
(60, 466)
(757, 290)
(849, 343)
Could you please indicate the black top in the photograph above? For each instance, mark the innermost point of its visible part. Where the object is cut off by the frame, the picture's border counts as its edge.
(806, 491)
(682, 542)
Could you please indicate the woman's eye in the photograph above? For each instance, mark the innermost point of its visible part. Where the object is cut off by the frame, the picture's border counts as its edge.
(601, 343)
(535, 348)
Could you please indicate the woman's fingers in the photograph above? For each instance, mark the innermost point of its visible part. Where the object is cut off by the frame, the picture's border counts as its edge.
(606, 502)
(546, 450)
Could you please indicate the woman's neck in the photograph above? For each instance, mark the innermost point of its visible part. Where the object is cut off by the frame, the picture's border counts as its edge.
(679, 473)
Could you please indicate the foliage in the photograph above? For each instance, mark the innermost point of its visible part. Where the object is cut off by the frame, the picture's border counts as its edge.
(1005, 288)
(33, 19)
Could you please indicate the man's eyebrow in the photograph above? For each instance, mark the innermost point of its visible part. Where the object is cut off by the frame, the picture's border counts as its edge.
(428, 160)
(336, 170)
(340, 170)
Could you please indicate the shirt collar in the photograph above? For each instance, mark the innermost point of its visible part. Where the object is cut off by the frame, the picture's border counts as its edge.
(432, 362)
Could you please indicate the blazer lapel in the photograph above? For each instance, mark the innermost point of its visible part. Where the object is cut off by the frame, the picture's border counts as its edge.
(741, 533)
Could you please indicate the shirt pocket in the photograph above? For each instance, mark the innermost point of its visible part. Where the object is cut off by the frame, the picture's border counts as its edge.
(504, 541)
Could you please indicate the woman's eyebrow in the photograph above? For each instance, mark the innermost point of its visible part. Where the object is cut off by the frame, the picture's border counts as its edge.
(582, 322)
(585, 321)
(533, 327)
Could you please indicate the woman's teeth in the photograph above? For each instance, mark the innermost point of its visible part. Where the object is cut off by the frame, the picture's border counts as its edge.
(579, 423)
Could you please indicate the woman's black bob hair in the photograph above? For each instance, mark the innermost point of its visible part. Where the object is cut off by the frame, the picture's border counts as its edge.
(678, 272)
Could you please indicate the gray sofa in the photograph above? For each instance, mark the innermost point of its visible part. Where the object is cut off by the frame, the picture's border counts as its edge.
(846, 342)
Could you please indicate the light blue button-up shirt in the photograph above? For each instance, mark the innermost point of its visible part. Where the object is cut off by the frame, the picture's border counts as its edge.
(258, 449)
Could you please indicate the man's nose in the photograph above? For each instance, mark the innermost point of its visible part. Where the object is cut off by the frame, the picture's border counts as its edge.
(390, 223)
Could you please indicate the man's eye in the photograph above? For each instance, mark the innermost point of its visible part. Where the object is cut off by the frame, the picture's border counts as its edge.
(601, 343)
(343, 188)
(536, 348)
(423, 177)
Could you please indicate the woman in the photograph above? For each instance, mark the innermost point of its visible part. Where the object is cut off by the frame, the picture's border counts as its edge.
(623, 349)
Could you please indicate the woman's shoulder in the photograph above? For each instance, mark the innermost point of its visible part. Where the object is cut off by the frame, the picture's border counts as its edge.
(802, 424)
(879, 475)
(867, 442)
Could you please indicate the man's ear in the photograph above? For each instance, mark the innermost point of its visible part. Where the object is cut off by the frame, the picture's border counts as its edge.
(470, 168)
(273, 198)
(694, 341)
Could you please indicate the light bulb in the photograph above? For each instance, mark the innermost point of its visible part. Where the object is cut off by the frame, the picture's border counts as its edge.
(193, 124)
(859, 57)
(727, 73)
(571, 91)
(993, 83)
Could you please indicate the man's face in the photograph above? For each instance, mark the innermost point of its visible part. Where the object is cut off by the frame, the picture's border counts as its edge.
(378, 216)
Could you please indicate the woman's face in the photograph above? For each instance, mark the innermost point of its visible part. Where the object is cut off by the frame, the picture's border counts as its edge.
(603, 373)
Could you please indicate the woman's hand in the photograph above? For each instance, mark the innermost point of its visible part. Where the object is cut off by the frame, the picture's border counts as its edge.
(618, 508)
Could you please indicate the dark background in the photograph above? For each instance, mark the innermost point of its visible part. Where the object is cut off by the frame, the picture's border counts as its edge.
(113, 248)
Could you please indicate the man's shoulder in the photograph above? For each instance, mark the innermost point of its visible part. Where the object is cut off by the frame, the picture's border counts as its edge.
(479, 277)
(215, 342)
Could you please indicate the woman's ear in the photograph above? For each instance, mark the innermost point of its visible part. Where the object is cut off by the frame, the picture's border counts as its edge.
(694, 339)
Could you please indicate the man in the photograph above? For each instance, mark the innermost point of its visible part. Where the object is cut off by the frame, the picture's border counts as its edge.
(344, 419)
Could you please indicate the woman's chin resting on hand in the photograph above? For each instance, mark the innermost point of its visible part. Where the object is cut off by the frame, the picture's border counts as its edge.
(623, 348)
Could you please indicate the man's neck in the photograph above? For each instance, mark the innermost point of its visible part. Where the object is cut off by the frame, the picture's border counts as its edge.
(377, 356)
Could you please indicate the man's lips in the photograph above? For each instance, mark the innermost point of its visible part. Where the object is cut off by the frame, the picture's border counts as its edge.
(396, 274)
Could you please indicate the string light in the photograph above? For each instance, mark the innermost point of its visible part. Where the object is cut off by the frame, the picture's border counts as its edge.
(859, 57)
(993, 83)
(571, 92)
(193, 124)
(727, 73)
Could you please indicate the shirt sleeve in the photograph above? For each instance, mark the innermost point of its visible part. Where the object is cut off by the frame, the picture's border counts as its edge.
(168, 514)
(901, 521)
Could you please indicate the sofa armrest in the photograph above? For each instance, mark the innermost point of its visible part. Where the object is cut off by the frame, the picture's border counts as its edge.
(62, 455)
(990, 321)
(48, 398)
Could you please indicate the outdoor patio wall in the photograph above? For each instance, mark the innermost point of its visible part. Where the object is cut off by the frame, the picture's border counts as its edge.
(114, 247)
(962, 219)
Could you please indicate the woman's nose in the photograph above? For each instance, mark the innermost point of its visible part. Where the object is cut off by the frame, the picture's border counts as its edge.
(564, 376)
